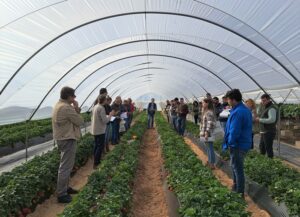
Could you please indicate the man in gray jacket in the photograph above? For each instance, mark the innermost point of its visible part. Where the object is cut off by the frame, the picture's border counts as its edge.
(66, 121)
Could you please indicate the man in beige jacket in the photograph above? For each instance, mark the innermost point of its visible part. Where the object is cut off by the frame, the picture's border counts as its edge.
(66, 121)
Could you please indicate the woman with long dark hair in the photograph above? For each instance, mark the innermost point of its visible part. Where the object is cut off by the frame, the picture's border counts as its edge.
(207, 130)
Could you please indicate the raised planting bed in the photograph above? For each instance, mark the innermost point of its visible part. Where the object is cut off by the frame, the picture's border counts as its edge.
(34, 181)
(268, 180)
(109, 189)
(198, 191)
(12, 134)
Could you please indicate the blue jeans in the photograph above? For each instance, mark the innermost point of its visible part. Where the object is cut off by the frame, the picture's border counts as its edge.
(150, 120)
(130, 120)
(126, 123)
(181, 125)
(237, 163)
(223, 125)
(174, 121)
(115, 132)
(210, 152)
(107, 134)
(98, 148)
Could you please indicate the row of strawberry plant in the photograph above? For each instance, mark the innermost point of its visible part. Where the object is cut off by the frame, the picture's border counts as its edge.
(34, 181)
(290, 110)
(199, 192)
(283, 182)
(13, 133)
(108, 192)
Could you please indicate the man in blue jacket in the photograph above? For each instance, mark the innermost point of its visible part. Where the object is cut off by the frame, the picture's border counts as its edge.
(151, 112)
(238, 137)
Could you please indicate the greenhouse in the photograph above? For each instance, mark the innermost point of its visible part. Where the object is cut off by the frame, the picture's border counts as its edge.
(150, 108)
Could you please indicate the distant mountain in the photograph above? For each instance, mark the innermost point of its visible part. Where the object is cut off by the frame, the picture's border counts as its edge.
(16, 114)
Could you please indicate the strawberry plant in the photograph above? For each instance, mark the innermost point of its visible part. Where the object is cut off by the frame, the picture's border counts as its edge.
(282, 181)
(199, 192)
(108, 191)
(31, 183)
(290, 111)
(13, 133)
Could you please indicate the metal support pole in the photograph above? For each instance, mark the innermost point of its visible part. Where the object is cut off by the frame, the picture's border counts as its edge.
(279, 128)
(294, 93)
(26, 140)
(257, 96)
(84, 127)
(279, 121)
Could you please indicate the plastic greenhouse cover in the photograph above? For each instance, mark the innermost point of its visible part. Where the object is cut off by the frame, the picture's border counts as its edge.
(205, 46)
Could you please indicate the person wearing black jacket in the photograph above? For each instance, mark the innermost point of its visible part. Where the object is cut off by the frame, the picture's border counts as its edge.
(267, 120)
(108, 127)
(152, 108)
(217, 106)
(183, 110)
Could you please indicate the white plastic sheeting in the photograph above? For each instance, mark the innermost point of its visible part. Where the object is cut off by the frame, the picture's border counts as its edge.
(189, 47)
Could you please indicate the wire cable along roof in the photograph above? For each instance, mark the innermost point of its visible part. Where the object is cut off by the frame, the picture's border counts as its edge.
(140, 47)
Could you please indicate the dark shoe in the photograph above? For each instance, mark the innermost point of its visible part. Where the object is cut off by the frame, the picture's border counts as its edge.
(72, 191)
(233, 188)
(64, 199)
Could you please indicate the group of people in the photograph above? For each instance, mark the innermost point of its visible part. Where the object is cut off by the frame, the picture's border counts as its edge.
(106, 120)
(177, 111)
(238, 120)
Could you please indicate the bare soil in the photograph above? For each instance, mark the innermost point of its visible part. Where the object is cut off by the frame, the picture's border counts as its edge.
(149, 199)
(226, 181)
(50, 208)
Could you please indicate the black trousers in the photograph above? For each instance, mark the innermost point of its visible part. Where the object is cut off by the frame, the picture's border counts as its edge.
(98, 148)
(266, 143)
(196, 117)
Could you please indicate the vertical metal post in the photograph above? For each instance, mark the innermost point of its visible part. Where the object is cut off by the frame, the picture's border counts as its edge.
(279, 121)
(279, 129)
(26, 140)
(294, 93)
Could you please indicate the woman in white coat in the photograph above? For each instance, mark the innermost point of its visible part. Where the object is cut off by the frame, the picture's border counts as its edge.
(98, 128)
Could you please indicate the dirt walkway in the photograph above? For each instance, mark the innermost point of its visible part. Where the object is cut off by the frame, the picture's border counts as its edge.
(226, 181)
(148, 194)
(50, 208)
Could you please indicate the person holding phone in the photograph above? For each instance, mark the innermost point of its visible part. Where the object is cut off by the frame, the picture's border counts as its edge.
(66, 121)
